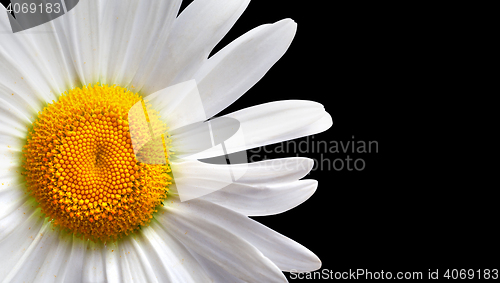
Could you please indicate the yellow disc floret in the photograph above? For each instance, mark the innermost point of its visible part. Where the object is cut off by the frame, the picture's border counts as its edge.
(81, 167)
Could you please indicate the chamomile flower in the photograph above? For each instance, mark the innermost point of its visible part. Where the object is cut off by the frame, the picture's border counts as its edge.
(77, 204)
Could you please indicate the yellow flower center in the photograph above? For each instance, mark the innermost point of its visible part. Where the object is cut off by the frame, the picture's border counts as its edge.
(81, 167)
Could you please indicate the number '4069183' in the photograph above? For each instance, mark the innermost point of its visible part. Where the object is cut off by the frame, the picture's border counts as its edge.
(471, 274)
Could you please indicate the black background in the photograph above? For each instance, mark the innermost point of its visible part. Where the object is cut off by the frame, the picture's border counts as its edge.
(376, 69)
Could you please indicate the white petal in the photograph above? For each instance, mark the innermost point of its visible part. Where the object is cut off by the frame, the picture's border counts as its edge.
(179, 105)
(52, 256)
(60, 258)
(46, 60)
(15, 107)
(279, 121)
(211, 177)
(263, 200)
(276, 171)
(231, 72)
(32, 265)
(263, 172)
(79, 31)
(267, 123)
(130, 32)
(18, 208)
(14, 123)
(170, 259)
(20, 246)
(94, 264)
(126, 262)
(12, 198)
(247, 185)
(12, 138)
(195, 33)
(215, 273)
(51, 52)
(320, 125)
(70, 260)
(284, 252)
(115, 265)
(217, 244)
(150, 255)
(13, 193)
(23, 72)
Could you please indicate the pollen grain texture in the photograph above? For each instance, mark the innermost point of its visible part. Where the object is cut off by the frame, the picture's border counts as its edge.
(80, 164)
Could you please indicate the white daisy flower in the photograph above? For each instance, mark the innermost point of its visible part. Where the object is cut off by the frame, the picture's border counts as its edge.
(76, 204)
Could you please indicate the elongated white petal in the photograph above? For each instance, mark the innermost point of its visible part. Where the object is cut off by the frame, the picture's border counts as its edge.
(265, 199)
(52, 52)
(284, 252)
(216, 243)
(231, 72)
(170, 259)
(151, 255)
(215, 273)
(12, 198)
(79, 31)
(126, 262)
(25, 76)
(20, 222)
(13, 191)
(194, 179)
(35, 264)
(116, 267)
(20, 244)
(15, 109)
(267, 172)
(49, 66)
(318, 126)
(195, 33)
(94, 263)
(179, 105)
(130, 32)
(18, 208)
(265, 124)
(14, 125)
(54, 260)
(69, 262)
(278, 121)
(12, 138)
(52, 256)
